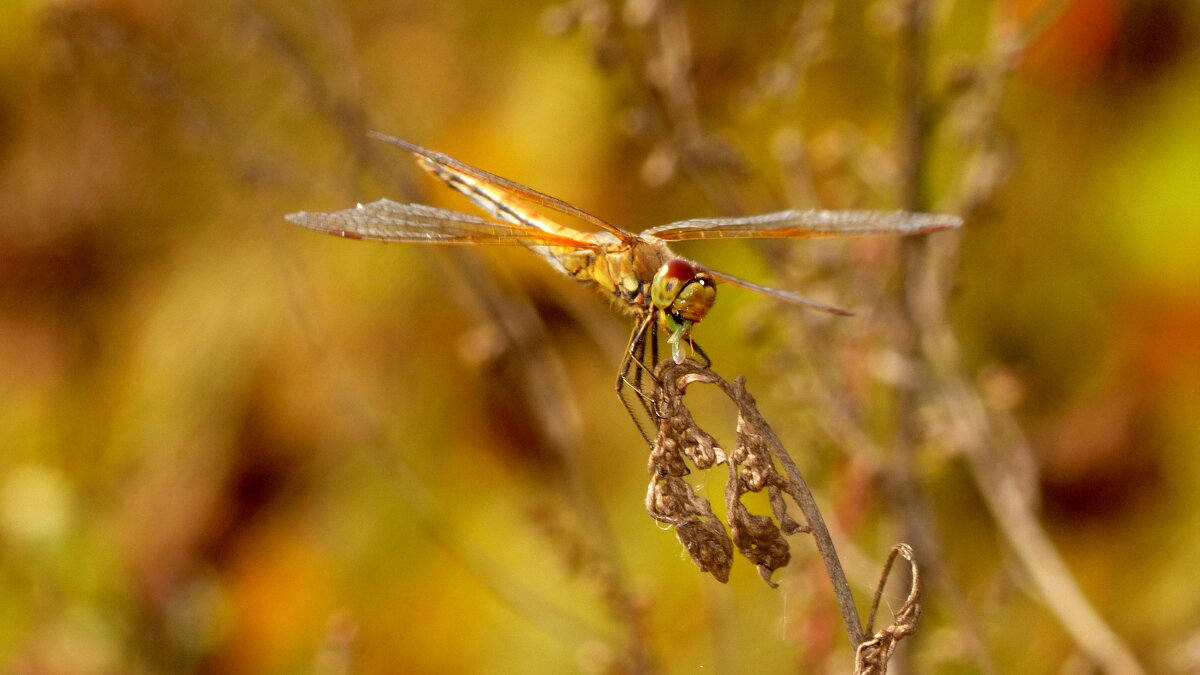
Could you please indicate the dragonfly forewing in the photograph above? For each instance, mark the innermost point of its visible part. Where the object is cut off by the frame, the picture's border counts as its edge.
(386, 220)
(478, 177)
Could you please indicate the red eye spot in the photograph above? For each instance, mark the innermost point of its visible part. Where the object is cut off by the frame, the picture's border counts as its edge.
(679, 270)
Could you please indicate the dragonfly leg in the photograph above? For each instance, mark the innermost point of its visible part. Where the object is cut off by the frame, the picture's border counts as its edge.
(633, 370)
(646, 369)
(700, 352)
(652, 409)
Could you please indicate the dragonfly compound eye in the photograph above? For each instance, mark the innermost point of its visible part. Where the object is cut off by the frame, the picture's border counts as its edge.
(695, 298)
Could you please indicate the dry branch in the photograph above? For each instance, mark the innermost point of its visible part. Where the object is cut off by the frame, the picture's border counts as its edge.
(752, 468)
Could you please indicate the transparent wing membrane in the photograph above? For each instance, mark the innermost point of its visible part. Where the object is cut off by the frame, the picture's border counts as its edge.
(386, 220)
(806, 224)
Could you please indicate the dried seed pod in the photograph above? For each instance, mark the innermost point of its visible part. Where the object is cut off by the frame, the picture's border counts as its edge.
(671, 500)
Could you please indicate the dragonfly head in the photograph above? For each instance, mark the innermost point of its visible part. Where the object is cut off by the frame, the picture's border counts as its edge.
(684, 293)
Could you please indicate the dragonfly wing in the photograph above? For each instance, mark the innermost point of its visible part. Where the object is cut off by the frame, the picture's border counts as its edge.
(786, 296)
(806, 224)
(514, 189)
(386, 220)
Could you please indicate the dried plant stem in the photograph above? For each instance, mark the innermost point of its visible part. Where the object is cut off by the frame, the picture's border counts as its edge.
(872, 656)
(900, 477)
(935, 345)
(982, 444)
(833, 566)
(982, 447)
(751, 468)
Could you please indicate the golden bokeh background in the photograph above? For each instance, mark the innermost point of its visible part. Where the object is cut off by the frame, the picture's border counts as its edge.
(230, 445)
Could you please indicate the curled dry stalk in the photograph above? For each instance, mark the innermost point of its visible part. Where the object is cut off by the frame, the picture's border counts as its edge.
(752, 468)
(872, 655)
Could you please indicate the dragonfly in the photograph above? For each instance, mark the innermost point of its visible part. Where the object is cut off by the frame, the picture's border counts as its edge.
(664, 292)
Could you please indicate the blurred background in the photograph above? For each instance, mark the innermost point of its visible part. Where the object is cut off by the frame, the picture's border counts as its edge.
(228, 444)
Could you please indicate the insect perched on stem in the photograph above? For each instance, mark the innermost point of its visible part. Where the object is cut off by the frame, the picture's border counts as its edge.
(662, 291)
